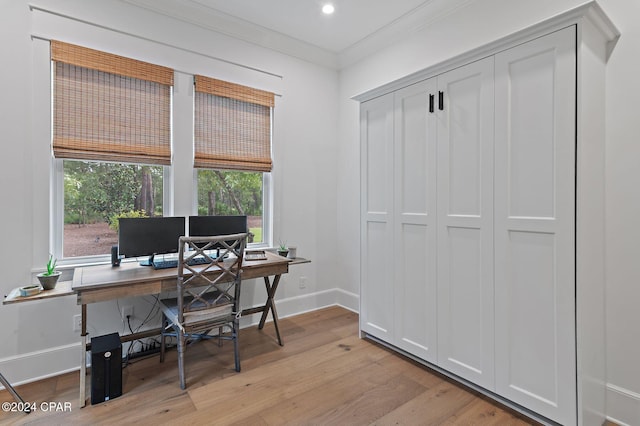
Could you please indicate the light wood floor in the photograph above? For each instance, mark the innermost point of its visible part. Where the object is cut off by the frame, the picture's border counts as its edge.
(324, 374)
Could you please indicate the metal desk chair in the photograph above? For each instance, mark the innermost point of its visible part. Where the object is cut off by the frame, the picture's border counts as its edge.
(208, 294)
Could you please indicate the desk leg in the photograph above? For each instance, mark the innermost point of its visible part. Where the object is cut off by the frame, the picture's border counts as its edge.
(12, 391)
(270, 305)
(83, 359)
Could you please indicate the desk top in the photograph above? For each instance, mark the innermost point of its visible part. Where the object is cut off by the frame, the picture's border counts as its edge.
(104, 282)
(102, 276)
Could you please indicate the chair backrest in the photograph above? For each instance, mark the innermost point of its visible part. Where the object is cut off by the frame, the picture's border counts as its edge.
(209, 274)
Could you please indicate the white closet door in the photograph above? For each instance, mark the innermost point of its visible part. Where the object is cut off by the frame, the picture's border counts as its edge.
(377, 249)
(415, 220)
(534, 225)
(465, 223)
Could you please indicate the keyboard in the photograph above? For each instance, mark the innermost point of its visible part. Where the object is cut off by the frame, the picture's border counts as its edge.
(173, 263)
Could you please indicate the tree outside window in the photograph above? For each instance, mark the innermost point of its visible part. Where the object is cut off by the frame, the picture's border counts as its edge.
(96, 194)
(222, 192)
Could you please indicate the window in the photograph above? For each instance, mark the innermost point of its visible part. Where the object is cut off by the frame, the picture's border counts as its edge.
(233, 151)
(96, 194)
(223, 192)
(112, 147)
(111, 141)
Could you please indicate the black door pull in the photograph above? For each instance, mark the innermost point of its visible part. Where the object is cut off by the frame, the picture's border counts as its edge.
(431, 97)
(441, 101)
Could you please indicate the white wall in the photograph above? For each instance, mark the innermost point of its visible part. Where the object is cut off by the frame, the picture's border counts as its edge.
(479, 23)
(37, 338)
(623, 211)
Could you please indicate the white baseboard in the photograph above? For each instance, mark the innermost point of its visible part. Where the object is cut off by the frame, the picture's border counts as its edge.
(623, 406)
(348, 300)
(30, 367)
(33, 366)
(310, 302)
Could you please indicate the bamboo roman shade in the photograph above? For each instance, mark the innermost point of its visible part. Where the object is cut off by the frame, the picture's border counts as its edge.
(232, 126)
(110, 108)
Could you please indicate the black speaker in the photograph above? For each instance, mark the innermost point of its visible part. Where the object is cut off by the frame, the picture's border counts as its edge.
(115, 259)
(106, 368)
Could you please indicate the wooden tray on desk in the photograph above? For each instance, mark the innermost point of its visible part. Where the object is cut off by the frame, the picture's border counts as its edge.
(251, 255)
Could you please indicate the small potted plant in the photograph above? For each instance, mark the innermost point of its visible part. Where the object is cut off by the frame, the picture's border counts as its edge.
(49, 278)
(282, 249)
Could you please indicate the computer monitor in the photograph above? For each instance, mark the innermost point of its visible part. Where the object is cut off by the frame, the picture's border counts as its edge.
(149, 236)
(209, 226)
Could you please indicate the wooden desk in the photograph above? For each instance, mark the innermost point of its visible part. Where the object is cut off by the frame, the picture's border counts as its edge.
(104, 282)
(100, 283)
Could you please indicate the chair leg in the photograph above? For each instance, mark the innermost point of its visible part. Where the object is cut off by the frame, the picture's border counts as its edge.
(220, 336)
(162, 338)
(236, 345)
(181, 348)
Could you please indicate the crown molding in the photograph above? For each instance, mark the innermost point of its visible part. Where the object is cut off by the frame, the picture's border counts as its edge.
(195, 13)
(414, 21)
(590, 11)
(210, 19)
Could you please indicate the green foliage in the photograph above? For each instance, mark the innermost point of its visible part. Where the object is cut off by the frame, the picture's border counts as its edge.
(114, 222)
(283, 246)
(229, 193)
(95, 191)
(103, 192)
(51, 266)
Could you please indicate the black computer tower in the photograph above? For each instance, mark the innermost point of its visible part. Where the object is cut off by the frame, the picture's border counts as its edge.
(106, 368)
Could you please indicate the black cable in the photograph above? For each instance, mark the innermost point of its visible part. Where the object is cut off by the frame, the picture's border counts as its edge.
(151, 313)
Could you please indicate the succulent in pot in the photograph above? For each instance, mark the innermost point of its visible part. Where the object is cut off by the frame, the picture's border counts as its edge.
(282, 249)
(49, 278)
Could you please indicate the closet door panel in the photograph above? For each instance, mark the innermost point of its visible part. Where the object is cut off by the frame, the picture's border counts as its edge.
(535, 225)
(532, 286)
(415, 215)
(377, 296)
(465, 222)
(464, 314)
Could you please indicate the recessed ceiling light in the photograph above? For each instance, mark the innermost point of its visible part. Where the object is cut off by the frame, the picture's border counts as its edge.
(328, 9)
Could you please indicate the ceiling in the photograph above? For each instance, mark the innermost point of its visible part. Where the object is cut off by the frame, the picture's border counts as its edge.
(299, 28)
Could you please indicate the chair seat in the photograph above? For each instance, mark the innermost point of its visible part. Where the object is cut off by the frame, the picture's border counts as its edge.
(223, 312)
